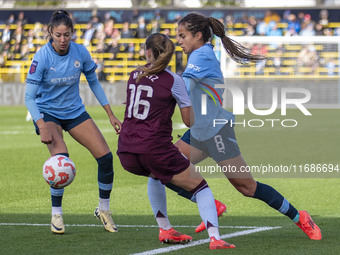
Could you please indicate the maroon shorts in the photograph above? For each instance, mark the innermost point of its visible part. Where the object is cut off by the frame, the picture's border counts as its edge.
(162, 165)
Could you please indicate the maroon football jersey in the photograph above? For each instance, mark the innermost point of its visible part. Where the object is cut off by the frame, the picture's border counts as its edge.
(150, 104)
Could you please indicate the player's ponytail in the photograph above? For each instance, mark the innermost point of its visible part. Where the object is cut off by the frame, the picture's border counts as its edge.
(162, 49)
(195, 22)
(60, 17)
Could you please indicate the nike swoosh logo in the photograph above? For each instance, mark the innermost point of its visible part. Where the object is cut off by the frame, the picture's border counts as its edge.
(56, 228)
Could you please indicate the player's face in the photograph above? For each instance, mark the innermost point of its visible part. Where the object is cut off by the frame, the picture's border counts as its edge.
(187, 40)
(61, 38)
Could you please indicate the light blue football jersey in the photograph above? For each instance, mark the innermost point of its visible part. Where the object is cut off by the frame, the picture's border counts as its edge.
(201, 75)
(57, 78)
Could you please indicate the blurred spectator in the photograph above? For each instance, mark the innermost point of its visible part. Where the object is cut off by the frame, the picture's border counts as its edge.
(323, 15)
(271, 16)
(110, 30)
(112, 47)
(24, 52)
(29, 39)
(158, 17)
(308, 57)
(126, 33)
(260, 49)
(301, 17)
(6, 34)
(141, 31)
(88, 34)
(330, 64)
(277, 61)
(285, 16)
(229, 24)
(21, 20)
(293, 25)
(100, 69)
(11, 19)
(155, 27)
(319, 29)
(135, 16)
(18, 35)
(307, 27)
(273, 29)
(261, 28)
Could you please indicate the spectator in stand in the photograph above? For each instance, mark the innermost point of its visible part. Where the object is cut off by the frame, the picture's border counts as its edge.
(308, 57)
(301, 17)
(126, 33)
(271, 16)
(252, 23)
(131, 51)
(110, 30)
(323, 18)
(261, 28)
(11, 19)
(229, 24)
(135, 16)
(293, 25)
(277, 60)
(112, 47)
(30, 39)
(158, 17)
(6, 34)
(273, 29)
(307, 27)
(88, 34)
(259, 49)
(21, 20)
(141, 31)
(155, 27)
(319, 30)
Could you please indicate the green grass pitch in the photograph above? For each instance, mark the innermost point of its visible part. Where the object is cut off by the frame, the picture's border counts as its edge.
(25, 198)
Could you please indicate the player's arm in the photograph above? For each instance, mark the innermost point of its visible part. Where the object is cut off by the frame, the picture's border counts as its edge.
(30, 94)
(187, 114)
(180, 94)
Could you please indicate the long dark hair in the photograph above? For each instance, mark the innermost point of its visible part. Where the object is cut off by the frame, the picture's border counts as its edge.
(195, 22)
(60, 17)
(162, 49)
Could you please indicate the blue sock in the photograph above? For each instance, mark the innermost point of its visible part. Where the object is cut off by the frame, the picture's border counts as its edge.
(274, 199)
(105, 175)
(57, 194)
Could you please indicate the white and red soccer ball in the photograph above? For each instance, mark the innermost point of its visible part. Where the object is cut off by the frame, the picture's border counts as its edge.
(59, 171)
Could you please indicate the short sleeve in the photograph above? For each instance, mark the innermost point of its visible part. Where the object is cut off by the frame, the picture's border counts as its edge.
(180, 93)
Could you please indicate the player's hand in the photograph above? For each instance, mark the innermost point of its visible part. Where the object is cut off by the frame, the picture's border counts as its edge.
(117, 125)
(45, 136)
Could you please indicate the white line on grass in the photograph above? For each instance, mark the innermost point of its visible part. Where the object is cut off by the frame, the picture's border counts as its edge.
(124, 226)
(203, 241)
(250, 230)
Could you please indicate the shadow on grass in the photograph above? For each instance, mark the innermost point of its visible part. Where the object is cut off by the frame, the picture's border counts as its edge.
(86, 235)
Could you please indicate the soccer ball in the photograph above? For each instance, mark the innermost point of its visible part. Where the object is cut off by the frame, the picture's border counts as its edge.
(59, 171)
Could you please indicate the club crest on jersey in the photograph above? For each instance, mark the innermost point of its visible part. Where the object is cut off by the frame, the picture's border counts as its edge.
(33, 67)
(77, 63)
